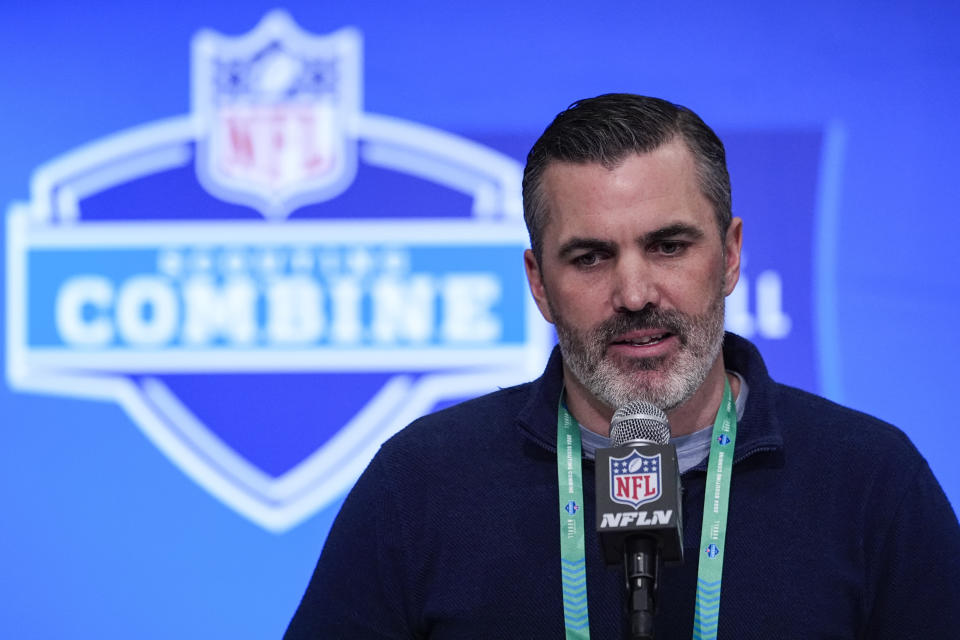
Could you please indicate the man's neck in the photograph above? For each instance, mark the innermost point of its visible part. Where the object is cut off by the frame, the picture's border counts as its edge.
(698, 411)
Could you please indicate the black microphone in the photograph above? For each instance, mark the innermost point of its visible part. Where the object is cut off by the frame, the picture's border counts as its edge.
(638, 506)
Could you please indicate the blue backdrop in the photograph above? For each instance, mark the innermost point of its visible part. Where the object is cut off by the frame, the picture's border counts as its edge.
(841, 128)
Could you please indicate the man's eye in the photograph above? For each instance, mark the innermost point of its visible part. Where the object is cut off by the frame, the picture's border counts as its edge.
(670, 248)
(586, 260)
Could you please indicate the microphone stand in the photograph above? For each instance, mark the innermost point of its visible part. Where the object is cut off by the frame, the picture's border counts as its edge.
(641, 563)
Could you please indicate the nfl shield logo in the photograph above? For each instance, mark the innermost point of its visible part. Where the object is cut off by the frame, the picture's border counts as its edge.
(635, 479)
(277, 111)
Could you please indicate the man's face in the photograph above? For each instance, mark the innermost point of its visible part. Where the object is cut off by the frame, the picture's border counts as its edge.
(633, 275)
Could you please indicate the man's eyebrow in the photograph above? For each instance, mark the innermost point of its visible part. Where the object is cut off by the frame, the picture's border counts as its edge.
(688, 231)
(584, 244)
(577, 244)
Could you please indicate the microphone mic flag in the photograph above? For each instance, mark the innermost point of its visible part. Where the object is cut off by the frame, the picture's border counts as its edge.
(638, 484)
(639, 519)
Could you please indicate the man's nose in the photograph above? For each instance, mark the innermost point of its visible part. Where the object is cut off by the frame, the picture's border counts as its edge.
(634, 285)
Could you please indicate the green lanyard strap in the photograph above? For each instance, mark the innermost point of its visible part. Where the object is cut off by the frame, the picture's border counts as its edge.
(573, 568)
(573, 564)
(713, 533)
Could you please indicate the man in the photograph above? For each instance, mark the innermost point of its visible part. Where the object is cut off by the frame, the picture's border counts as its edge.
(836, 526)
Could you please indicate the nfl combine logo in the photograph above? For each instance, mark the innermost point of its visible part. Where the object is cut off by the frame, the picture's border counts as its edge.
(276, 282)
(635, 479)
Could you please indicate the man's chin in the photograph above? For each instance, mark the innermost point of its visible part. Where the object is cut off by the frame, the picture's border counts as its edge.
(627, 366)
(618, 387)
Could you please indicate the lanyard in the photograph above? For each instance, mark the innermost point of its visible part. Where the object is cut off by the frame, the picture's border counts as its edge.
(712, 533)
(573, 564)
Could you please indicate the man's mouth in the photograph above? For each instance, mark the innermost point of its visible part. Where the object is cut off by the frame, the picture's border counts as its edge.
(643, 341)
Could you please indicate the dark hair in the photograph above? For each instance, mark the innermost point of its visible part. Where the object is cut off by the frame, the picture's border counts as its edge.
(606, 129)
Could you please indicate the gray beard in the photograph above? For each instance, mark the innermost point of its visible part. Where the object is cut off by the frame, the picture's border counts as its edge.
(617, 381)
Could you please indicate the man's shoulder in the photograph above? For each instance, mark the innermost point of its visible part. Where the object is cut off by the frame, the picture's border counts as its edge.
(492, 415)
(811, 417)
(803, 420)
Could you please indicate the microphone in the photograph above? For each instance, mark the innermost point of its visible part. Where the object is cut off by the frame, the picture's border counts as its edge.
(638, 506)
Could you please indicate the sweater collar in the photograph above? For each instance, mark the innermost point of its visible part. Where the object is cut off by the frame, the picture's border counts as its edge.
(758, 431)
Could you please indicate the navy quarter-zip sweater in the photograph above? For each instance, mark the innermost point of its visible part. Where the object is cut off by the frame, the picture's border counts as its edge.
(836, 529)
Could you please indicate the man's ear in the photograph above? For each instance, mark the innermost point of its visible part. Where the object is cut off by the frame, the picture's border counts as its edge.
(732, 243)
(537, 288)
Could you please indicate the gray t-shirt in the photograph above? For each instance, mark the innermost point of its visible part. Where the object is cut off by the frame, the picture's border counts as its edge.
(691, 449)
